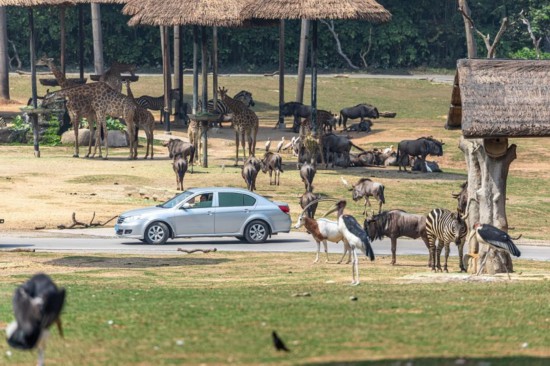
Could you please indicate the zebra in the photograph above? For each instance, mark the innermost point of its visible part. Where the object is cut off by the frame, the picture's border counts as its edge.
(223, 110)
(156, 103)
(445, 227)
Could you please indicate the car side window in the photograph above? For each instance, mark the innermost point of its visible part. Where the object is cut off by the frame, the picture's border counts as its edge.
(227, 199)
(201, 200)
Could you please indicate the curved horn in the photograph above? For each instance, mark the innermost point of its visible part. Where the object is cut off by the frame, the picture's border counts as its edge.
(520, 235)
(316, 201)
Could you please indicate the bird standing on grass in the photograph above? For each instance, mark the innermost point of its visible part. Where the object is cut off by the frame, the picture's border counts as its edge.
(354, 235)
(37, 304)
(497, 240)
(278, 342)
(280, 144)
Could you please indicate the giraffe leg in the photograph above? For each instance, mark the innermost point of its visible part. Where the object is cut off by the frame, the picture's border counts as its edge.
(236, 147)
(91, 130)
(243, 145)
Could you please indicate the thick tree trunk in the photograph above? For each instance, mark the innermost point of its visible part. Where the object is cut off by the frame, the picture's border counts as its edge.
(487, 177)
(468, 31)
(98, 39)
(4, 59)
(302, 60)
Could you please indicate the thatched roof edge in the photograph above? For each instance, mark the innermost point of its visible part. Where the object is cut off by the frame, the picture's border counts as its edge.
(505, 98)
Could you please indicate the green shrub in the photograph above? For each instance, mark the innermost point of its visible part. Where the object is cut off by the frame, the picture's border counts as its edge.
(529, 54)
(113, 124)
(20, 124)
(51, 135)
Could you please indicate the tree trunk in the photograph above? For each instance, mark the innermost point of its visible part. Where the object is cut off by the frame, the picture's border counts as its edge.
(302, 60)
(468, 31)
(281, 119)
(487, 177)
(98, 39)
(4, 59)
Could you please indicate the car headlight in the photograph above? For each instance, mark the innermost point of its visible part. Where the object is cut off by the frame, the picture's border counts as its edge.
(133, 218)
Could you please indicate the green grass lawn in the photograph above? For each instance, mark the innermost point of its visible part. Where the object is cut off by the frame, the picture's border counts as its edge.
(220, 308)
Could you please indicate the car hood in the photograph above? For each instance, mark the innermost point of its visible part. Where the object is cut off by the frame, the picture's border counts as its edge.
(143, 211)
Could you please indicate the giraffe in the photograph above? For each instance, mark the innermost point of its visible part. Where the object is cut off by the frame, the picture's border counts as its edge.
(59, 76)
(194, 132)
(104, 101)
(112, 76)
(77, 107)
(144, 119)
(245, 122)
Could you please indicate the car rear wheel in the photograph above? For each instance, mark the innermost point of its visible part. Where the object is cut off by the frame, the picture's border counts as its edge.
(157, 233)
(256, 232)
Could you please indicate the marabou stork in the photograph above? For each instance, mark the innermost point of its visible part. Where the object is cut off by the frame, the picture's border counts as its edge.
(280, 144)
(496, 239)
(267, 144)
(353, 235)
(37, 304)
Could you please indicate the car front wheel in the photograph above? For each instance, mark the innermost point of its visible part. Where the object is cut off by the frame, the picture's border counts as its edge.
(157, 233)
(256, 232)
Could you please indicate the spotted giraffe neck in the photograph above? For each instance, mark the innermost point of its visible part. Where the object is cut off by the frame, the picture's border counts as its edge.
(235, 105)
(61, 79)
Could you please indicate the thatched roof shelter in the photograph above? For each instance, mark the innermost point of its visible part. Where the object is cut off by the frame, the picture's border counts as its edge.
(502, 98)
(30, 3)
(368, 10)
(184, 12)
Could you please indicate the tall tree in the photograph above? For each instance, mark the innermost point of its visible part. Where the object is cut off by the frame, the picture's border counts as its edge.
(4, 59)
(487, 173)
(302, 60)
(98, 38)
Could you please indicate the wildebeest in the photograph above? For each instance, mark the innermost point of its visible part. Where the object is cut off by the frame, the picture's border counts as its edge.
(185, 149)
(274, 163)
(250, 171)
(307, 198)
(297, 110)
(326, 122)
(363, 126)
(420, 147)
(395, 224)
(427, 166)
(367, 188)
(367, 158)
(337, 145)
(462, 198)
(307, 173)
(359, 111)
(180, 168)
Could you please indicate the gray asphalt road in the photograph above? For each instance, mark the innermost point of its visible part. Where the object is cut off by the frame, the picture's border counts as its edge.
(104, 241)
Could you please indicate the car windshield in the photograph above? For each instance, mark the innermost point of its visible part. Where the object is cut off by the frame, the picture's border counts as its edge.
(176, 200)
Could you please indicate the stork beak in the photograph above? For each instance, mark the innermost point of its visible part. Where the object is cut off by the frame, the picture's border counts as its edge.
(331, 210)
(59, 327)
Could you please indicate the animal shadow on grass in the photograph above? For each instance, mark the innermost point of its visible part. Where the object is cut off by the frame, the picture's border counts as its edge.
(391, 172)
(441, 361)
(133, 262)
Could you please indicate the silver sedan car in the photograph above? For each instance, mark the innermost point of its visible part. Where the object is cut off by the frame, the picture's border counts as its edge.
(213, 211)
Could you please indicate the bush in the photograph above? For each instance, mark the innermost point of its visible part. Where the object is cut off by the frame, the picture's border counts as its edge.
(529, 54)
(113, 124)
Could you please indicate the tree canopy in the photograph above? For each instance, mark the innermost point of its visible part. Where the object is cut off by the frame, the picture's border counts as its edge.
(422, 33)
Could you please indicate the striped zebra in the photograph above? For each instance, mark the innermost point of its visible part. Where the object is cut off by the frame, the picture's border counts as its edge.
(156, 103)
(223, 110)
(445, 227)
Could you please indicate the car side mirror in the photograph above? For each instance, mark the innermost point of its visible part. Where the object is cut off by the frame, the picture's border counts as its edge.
(186, 206)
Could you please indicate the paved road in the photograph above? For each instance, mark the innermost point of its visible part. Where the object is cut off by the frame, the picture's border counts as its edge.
(104, 241)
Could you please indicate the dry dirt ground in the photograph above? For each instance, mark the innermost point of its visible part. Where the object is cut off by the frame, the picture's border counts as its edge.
(46, 191)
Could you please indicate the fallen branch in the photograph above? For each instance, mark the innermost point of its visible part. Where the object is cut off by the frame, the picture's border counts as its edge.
(17, 250)
(189, 251)
(387, 114)
(83, 225)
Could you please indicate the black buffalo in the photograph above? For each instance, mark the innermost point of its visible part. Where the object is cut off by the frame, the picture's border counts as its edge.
(420, 148)
(297, 110)
(358, 111)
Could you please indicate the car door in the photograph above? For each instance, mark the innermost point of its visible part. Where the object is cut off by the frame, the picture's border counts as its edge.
(197, 218)
(232, 211)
